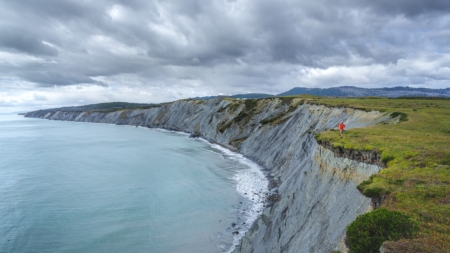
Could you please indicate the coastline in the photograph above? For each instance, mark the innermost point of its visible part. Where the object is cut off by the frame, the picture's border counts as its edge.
(264, 197)
(245, 214)
(277, 134)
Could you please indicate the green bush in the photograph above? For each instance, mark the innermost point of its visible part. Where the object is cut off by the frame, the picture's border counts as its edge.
(250, 104)
(370, 230)
(365, 183)
(387, 158)
(403, 116)
(372, 192)
(446, 161)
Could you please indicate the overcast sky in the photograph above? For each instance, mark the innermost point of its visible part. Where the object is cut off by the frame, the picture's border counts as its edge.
(70, 52)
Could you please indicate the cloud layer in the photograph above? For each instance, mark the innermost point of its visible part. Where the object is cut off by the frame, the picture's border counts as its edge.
(160, 50)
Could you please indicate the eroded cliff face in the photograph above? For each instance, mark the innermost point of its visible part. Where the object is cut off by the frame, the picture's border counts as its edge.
(317, 191)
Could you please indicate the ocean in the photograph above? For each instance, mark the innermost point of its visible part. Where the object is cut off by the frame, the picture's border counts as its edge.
(85, 187)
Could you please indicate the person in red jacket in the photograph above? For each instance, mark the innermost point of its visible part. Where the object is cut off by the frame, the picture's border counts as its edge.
(341, 128)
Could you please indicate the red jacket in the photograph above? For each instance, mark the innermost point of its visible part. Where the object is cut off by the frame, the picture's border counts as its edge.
(341, 126)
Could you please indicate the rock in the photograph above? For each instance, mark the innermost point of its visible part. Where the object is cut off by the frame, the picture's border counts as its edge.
(364, 156)
(400, 246)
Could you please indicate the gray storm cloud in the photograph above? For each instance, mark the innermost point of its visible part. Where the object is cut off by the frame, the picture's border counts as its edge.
(26, 42)
(226, 46)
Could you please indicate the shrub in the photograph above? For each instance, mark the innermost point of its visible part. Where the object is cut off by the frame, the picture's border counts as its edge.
(446, 161)
(370, 230)
(387, 158)
(403, 116)
(372, 192)
(364, 183)
(250, 104)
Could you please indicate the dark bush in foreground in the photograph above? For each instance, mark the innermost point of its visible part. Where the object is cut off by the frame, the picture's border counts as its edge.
(403, 116)
(370, 230)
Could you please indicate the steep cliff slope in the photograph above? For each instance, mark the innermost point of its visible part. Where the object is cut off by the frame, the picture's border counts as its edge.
(317, 191)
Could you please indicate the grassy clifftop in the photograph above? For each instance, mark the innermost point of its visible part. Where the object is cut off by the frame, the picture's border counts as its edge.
(417, 153)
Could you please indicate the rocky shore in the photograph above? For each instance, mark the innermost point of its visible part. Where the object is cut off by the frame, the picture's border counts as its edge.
(317, 195)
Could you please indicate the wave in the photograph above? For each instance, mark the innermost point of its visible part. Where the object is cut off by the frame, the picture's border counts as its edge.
(253, 185)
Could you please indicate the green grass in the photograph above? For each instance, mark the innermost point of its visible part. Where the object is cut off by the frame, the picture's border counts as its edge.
(416, 181)
(370, 230)
(277, 119)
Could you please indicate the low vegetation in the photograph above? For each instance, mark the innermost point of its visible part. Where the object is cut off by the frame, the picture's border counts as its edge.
(248, 111)
(416, 181)
(370, 230)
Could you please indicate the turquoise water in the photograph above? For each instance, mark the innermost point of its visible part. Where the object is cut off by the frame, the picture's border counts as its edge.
(83, 187)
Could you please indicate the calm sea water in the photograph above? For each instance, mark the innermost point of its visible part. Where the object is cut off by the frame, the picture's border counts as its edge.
(83, 187)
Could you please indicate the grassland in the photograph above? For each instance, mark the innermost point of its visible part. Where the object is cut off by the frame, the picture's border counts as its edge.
(416, 180)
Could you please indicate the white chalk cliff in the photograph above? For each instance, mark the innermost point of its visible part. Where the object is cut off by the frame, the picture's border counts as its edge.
(317, 195)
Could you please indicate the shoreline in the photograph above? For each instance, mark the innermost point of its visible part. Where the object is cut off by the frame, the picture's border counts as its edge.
(276, 133)
(270, 196)
(268, 200)
(244, 218)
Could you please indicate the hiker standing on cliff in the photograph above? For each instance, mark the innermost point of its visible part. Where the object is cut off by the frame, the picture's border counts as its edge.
(341, 128)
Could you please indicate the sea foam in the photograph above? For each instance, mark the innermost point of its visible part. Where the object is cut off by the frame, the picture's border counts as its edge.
(252, 184)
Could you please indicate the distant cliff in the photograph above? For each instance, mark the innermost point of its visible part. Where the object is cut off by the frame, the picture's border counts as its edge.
(317, 190)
